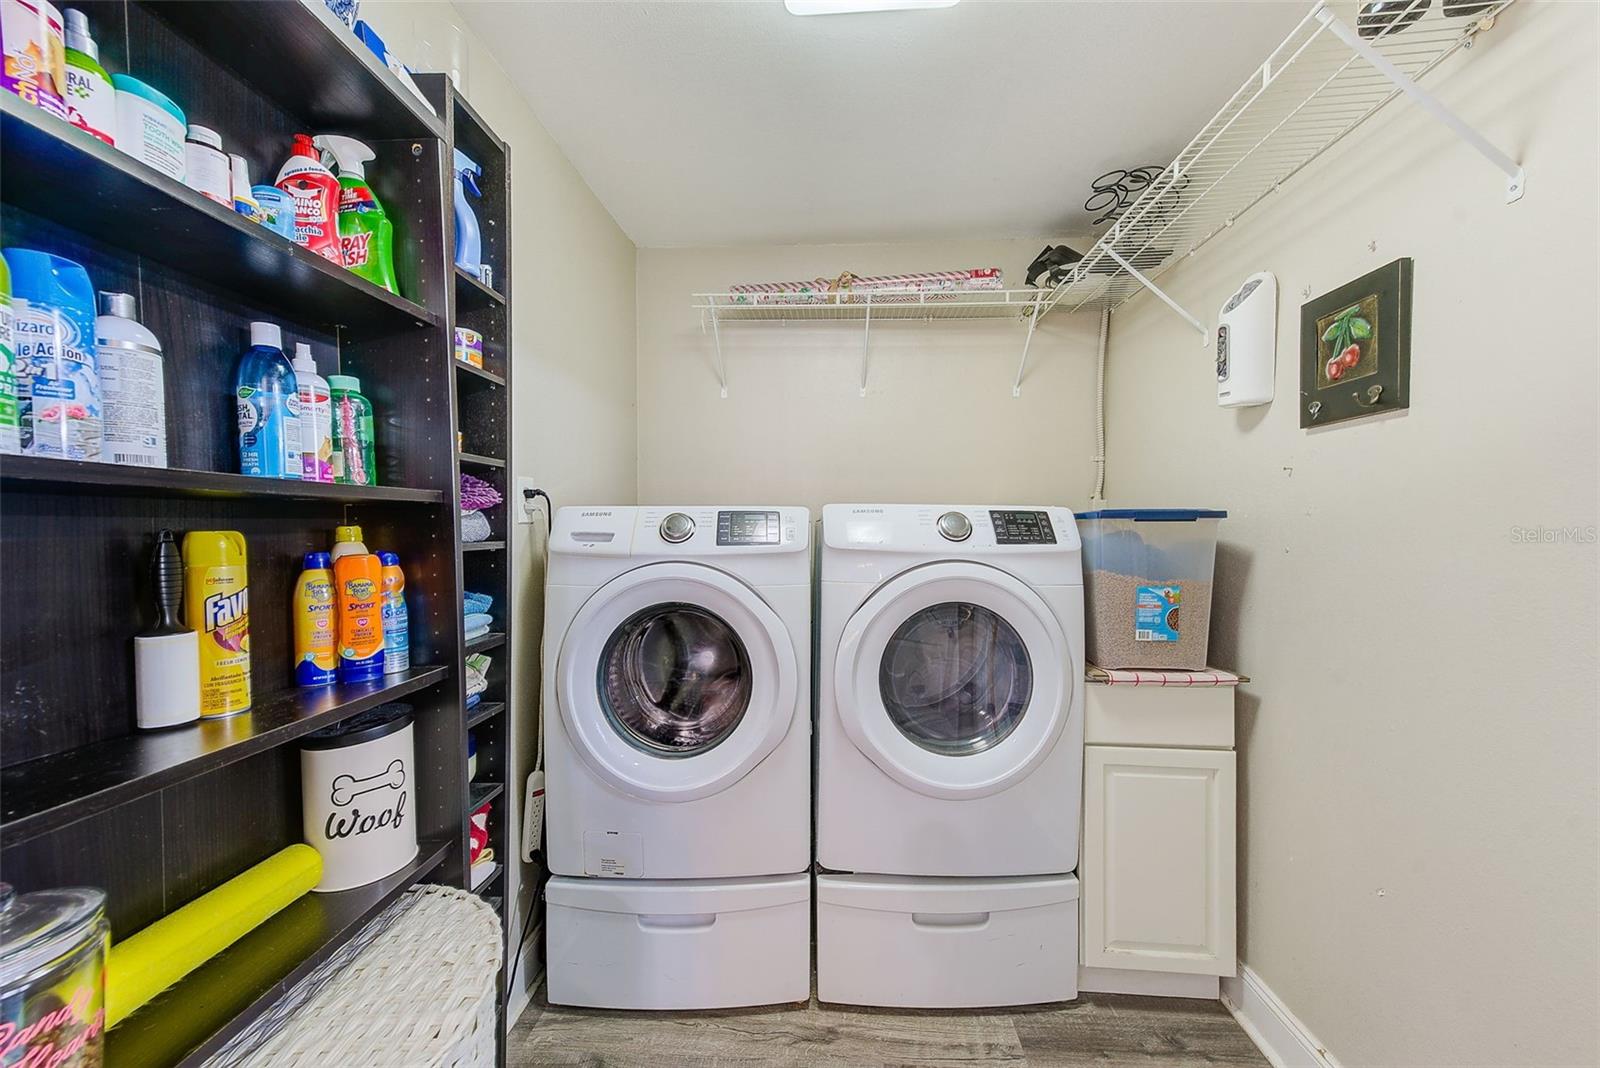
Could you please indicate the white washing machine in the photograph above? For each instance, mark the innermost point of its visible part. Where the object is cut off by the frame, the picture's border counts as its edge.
(678, 756)
(949, 754)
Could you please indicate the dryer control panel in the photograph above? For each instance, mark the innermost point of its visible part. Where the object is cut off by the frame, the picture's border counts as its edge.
(963, 530)
(681, 531)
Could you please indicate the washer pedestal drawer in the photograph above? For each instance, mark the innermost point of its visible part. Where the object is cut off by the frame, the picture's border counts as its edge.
(946, 943)
(678, 944)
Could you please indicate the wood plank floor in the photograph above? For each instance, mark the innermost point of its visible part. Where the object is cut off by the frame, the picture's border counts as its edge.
(1097, 1029)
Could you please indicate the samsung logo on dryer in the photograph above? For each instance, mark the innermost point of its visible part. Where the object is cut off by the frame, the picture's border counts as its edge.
(586, 515)
(866, 511)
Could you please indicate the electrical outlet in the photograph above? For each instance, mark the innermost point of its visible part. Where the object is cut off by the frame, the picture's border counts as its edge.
(527, 507)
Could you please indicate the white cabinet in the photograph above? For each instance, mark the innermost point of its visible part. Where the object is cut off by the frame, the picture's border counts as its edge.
(1158, 859)
(1158, 867)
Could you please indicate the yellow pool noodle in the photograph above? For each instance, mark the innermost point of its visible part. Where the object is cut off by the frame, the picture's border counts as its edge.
(144, 964)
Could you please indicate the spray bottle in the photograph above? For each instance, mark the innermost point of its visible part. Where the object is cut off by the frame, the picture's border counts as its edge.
(366, 236)
(315, 192)
(469, 243)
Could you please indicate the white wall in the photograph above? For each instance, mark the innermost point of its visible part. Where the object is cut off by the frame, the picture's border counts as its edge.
(794, 428)
(573, 337)
(1418, 748)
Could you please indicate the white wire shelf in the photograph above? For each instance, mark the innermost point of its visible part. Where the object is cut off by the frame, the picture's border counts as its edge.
(1334, 71)
(880, 304)
(1343, 62)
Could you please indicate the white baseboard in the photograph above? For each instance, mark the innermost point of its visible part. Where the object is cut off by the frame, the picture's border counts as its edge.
(529, 976)
(1283, 1039)
(1153, 984)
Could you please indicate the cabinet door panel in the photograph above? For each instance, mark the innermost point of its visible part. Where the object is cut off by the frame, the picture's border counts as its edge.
(1158, 861)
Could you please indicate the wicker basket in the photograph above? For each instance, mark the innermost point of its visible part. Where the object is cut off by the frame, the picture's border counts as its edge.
(414, 989)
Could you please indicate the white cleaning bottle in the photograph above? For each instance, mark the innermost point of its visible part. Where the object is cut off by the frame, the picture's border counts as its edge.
(133, 389)
(316, 418)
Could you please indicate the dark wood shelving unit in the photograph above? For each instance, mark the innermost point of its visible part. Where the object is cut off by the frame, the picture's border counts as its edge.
(482, 411)
(159, 818)
(125, 203)
(478, 374)
(49, 474)
(41, 795)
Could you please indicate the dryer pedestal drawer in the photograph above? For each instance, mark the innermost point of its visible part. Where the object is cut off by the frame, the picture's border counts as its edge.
(678, 944)
(946, 943)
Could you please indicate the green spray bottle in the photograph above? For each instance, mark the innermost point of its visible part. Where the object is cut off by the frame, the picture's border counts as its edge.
(366, 236)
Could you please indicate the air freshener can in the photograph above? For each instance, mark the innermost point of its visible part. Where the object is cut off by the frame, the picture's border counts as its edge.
(216, 596)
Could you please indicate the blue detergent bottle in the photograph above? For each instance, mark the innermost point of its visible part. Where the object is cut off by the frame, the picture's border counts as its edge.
(469, 243)
(267, 401)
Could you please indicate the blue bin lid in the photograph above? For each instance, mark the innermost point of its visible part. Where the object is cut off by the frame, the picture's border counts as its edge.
(1156, 515)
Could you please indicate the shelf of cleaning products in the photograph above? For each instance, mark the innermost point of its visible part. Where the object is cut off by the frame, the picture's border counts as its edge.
(492, 640)
(1313, 90)
(482, 793)
(300, 55)
(61, 173)
(486, 710)
(482, 546)
(49, 475)
(479, 373)
(194, 1018)
(45, 794)
(471, 293)
(478, 460)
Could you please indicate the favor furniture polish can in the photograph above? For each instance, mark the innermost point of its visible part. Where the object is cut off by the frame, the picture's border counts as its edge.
(358, 797)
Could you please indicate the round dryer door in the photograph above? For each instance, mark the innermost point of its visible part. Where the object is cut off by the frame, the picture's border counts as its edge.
(675, 680)
(954, 679)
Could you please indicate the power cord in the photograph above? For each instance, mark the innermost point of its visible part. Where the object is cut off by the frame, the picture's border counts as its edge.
(531, 495)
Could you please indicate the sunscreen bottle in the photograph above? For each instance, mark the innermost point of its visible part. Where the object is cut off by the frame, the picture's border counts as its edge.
(217, 606)
(315, 624)
(358, 591)
(396, 619)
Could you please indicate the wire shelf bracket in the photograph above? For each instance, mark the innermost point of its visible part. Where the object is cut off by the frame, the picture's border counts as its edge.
(1139, 277)
(1516, 179)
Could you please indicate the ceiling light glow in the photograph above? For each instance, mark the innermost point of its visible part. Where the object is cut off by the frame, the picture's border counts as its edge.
(857, 7)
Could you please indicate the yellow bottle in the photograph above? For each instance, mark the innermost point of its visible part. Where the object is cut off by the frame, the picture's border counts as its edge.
(315, 627)
(217, 607)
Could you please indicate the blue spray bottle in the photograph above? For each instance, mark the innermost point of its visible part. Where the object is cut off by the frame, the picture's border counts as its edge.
(469, 243)
(267, 400)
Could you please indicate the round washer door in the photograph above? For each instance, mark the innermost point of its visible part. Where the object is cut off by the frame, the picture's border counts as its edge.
(675, 680)
(953, 679)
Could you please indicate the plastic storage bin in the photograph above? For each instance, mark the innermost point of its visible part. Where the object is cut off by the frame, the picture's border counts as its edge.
(928, 943)
(1147, 583)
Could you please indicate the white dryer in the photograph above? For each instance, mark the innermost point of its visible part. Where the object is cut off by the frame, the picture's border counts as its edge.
(677, 750)
(949, 754)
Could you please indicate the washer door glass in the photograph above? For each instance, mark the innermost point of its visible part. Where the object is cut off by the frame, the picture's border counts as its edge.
(955, 678)
(675, 680)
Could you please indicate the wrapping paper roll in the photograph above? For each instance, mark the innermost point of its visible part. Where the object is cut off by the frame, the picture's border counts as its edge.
(143, 965)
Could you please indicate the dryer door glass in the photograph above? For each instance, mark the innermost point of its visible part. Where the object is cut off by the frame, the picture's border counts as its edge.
(674, 680)
(955, 678)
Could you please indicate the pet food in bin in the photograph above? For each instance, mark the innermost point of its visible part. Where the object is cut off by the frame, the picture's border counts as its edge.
(1147, 586)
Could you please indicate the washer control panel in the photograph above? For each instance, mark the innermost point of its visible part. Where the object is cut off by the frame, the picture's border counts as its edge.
(749, 528)
(1016, 527)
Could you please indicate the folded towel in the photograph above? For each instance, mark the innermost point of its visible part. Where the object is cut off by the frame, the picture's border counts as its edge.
(475, 633)
(476, 602)
(474, 699)
(474, 527)
(478, 619)
(476, 493)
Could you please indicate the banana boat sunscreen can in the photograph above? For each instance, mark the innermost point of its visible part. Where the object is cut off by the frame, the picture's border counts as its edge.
(358, 593)
(217, 607)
